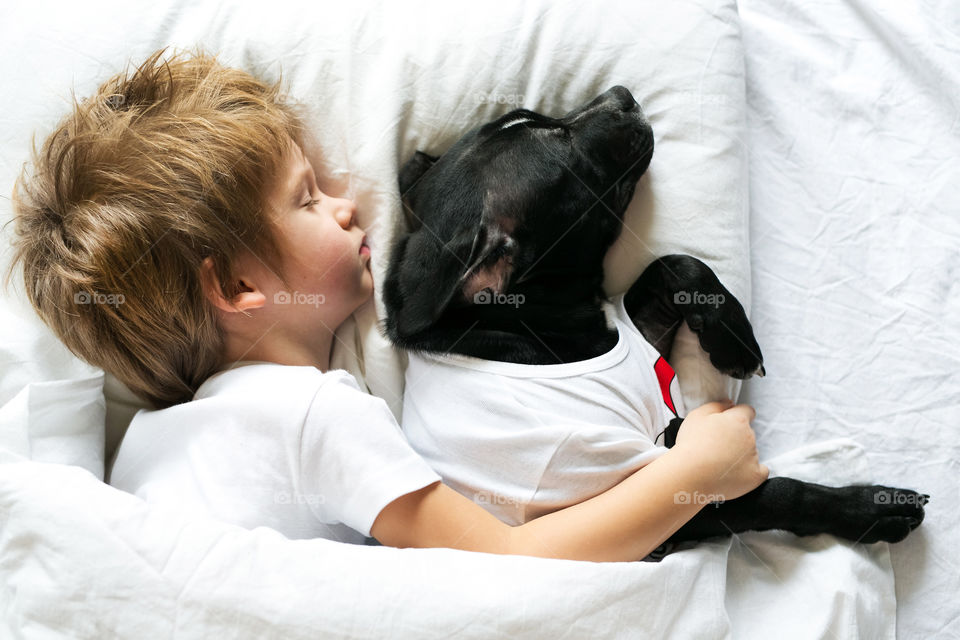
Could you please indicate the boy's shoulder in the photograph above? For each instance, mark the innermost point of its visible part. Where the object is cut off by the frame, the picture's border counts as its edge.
(254, 401)
(272, 381)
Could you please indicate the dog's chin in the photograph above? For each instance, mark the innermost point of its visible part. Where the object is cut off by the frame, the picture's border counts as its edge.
(642, 160)
(628, 184)
(625, 191)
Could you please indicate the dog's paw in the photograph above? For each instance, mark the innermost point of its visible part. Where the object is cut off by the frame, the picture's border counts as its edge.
(883, 514)
(727, 337)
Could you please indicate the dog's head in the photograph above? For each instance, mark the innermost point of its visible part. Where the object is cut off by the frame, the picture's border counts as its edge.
(521, 199)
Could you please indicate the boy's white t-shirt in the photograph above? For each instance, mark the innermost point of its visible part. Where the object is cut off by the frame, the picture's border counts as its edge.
(293, 448)
(526, 440)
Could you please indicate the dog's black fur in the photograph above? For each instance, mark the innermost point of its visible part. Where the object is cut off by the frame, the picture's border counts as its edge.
(528, 205)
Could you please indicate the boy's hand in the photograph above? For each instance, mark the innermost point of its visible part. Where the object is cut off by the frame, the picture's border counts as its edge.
(718, 439)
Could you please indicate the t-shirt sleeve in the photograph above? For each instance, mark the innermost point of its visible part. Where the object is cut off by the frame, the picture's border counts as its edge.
(354, 459)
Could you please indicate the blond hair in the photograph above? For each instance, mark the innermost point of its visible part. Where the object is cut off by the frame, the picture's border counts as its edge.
(158, 170)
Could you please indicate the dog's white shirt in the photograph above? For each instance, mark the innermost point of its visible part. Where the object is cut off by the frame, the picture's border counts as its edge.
(526, 440)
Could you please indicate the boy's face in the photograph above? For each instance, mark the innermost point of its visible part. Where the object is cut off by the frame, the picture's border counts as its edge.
(325, 259)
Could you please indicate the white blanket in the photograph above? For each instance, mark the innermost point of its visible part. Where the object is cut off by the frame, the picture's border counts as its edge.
(79, 559)
(854, 112)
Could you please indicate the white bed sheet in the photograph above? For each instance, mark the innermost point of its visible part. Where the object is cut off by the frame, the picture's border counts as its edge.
(854, 132)
(79, 559)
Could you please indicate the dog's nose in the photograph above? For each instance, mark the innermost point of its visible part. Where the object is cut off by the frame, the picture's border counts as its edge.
(622, 98)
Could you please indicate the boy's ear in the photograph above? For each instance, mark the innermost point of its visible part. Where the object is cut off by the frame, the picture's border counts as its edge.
(436, 276)
(249, 297)
(410, 174)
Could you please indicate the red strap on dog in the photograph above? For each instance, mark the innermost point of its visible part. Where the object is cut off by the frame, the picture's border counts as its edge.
(665, 375)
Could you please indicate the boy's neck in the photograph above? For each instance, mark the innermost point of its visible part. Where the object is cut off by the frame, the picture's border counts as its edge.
(281, 349)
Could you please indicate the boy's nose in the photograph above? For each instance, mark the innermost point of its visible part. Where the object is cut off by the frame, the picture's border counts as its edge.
(347, 213)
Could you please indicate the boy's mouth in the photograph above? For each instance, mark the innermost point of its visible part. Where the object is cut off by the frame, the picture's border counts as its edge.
(364, 247)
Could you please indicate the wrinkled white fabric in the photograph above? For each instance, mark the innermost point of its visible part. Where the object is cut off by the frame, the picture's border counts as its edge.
(80, 559)
(854, 111)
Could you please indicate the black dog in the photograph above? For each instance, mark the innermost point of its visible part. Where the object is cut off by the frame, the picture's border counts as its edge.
(528, 205)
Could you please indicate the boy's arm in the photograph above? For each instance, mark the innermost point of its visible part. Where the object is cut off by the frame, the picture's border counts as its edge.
(624, 523)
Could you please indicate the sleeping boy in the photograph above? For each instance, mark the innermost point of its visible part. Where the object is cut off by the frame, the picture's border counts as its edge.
(172, 232)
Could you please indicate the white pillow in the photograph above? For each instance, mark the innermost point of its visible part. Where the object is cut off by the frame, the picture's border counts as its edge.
(384, 79)
(416, 85)
(51, 403)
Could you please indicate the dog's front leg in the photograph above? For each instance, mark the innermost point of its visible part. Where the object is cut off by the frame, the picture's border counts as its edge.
(859, 513)
(679, 288)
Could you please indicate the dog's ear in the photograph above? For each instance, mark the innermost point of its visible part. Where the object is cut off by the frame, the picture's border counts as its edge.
(491, 260)
(410, 174)
(413, 169)
(435, 277)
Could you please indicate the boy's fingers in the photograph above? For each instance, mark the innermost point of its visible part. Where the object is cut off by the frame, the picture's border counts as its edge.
(713, 407)
(748, 411)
